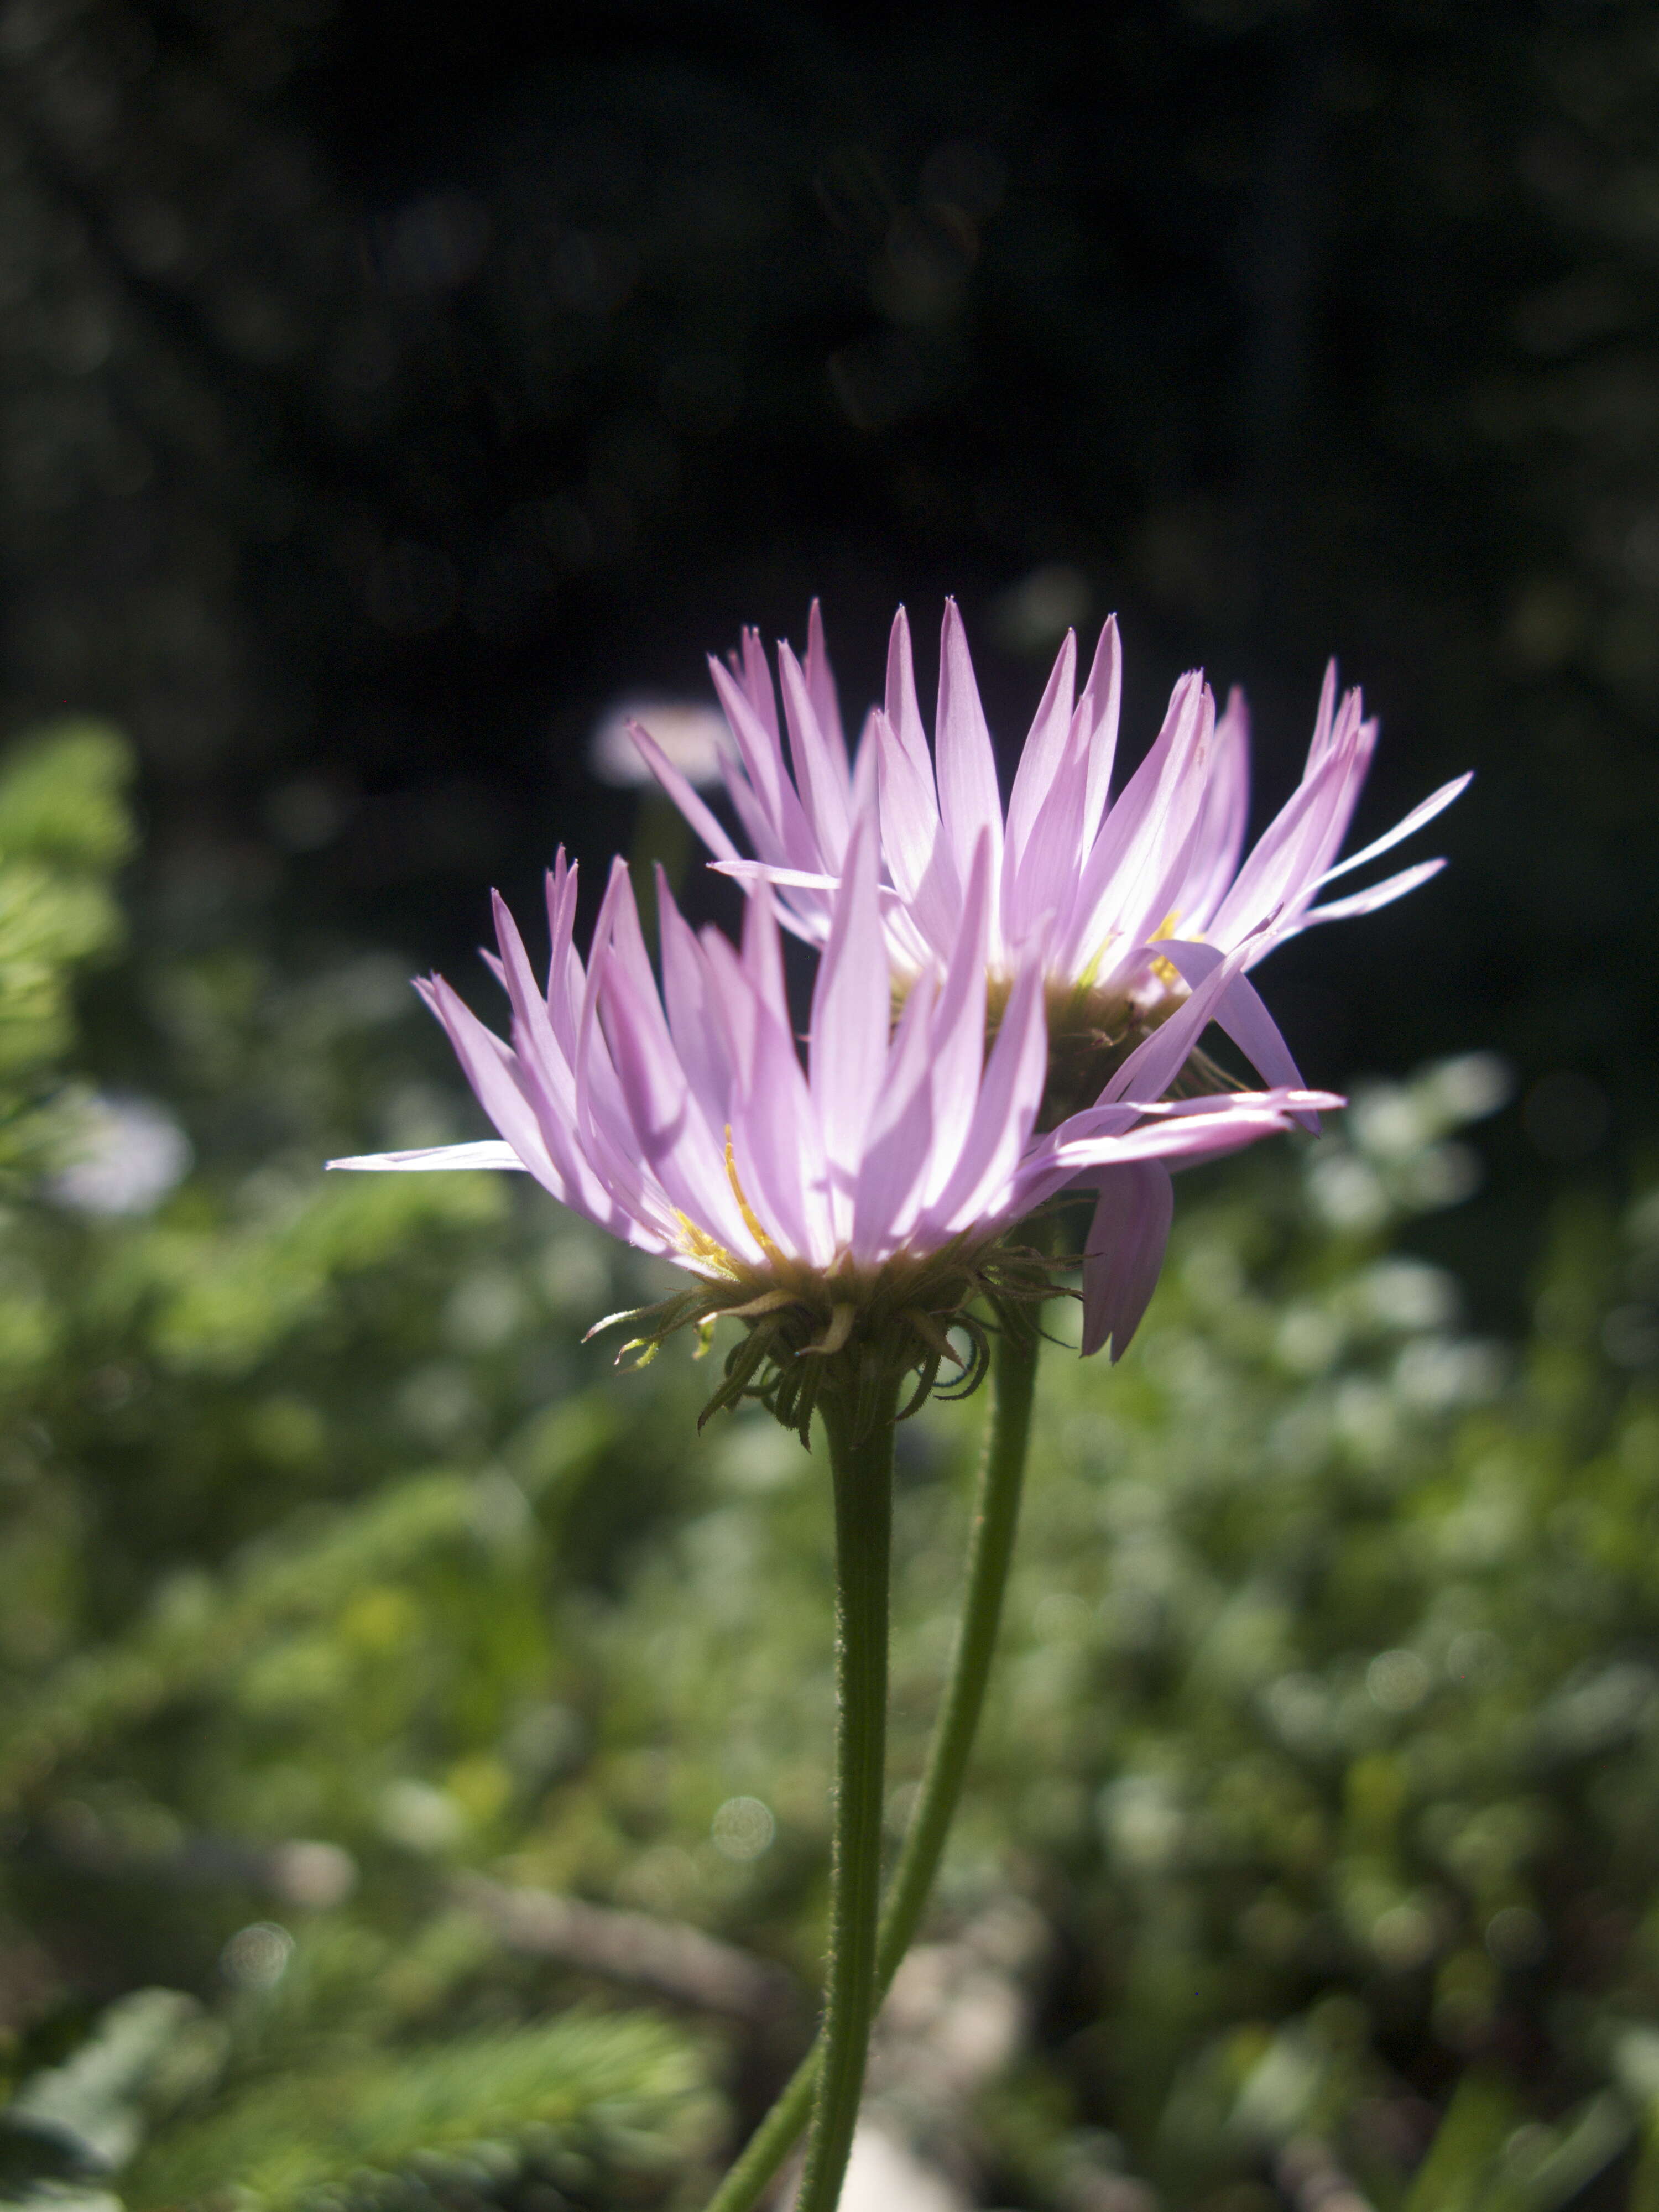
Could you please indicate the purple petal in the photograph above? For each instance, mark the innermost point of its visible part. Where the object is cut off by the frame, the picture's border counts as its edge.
(1154, 1064)
(980, 1184)
(1123, 1255)
(1045, 747)
(695, 812)
(821, 778)
(1283, 872)
(916, 851)
(687, 988)
(756, 676)
(1045, 882)
(1141, 856)
(958, 1025)
(1240, 1012)
(763, 956)
(1219, 838)
(851, 1010)
(664, 1120)
(820, 689)
(970, 804)
(1227, 1124)
(863, 786)
(497, 1085)
(1045, 809)
(1324, 719)
(901, 707)
(900, 1140)
(774, 1130)
(601, 1109)
(565, 973)
(1098, 709)
(669, 1127)
(1409, 825)
(776, 1146)
(1367, 901)
(762, 759)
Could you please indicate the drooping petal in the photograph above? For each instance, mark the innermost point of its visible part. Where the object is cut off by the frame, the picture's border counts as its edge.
(1123, 1254)
(1177, 1132)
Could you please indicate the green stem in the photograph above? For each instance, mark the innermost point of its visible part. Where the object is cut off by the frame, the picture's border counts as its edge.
(861, 1465)
(990, 1547)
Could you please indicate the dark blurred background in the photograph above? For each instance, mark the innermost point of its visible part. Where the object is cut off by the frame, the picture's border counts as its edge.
(390, 390)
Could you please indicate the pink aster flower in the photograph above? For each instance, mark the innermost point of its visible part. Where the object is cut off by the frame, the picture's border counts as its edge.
(859, 1191)
(1136, 900)
(1163, 861)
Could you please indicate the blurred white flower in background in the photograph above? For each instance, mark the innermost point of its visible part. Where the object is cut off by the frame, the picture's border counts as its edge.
(131, 1152)
(691, 736)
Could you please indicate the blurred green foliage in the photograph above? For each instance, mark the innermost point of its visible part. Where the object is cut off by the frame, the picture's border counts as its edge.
(337, 1572)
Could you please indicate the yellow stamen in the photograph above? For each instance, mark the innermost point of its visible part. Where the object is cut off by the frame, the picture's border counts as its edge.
(698, 1244)
(1165, 970)
(750, 1222)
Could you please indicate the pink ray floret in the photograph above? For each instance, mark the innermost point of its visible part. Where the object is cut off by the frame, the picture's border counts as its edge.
(683, 1119)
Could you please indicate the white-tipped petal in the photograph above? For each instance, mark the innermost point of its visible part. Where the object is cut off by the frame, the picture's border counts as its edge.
(490, 1152)
(1407, 826)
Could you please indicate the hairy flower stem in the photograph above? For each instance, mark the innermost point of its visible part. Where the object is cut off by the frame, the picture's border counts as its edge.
(990, 1548)
(861, 1465)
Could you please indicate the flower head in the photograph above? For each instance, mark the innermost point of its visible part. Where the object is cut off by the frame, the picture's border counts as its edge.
(1131, 905)
(1137, 897)
(849, 1206)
